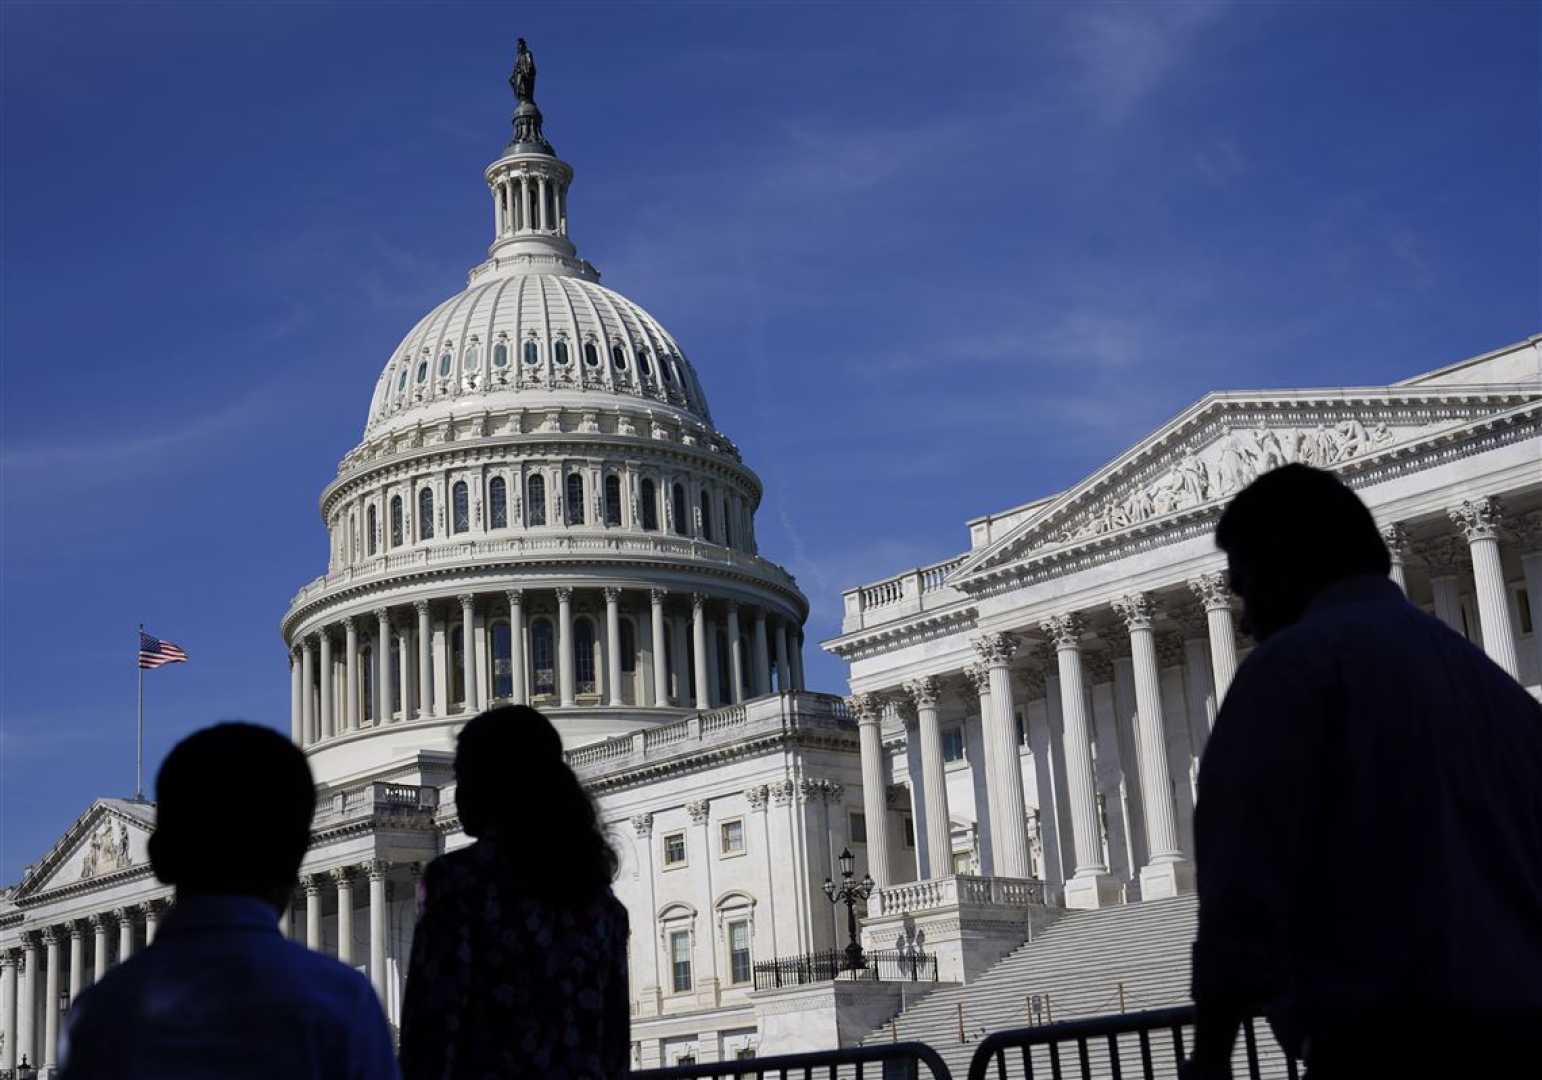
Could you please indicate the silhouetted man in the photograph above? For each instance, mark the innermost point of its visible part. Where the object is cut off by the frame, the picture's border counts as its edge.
(1369, 827)
(220, 992)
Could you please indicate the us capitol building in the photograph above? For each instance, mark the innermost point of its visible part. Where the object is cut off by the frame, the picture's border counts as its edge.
(540, 510)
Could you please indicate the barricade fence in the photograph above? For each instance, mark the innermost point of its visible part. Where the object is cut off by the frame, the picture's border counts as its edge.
(891, 1061)
(833, 964)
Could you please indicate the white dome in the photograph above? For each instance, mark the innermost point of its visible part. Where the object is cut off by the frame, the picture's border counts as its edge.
(532, 338)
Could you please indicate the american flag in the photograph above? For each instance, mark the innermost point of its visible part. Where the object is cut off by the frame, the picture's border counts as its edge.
(153, 652)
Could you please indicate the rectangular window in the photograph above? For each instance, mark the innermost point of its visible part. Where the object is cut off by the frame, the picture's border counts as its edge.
(910, 832)
(674, 849)
(680, 960)
(858, 826)
(739, 951)
(1523, 601)
(953, 744)
(732, 835)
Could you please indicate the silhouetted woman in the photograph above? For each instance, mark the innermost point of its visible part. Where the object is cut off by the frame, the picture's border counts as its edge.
(519, 957)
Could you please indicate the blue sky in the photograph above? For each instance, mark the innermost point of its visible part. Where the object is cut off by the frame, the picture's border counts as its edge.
(930, 261)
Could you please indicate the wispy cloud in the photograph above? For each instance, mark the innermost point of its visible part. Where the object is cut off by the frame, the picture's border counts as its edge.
(1127, 51)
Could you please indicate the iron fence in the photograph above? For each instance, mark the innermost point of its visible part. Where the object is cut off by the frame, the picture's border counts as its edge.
(1145, 1044)
(832, 964)
(891, 1061)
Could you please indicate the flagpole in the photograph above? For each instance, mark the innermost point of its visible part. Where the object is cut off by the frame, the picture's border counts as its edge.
(139, 738)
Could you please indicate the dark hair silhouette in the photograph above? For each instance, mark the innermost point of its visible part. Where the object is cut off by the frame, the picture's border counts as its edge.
(234, 804)
(513, 786)
(1291, 533)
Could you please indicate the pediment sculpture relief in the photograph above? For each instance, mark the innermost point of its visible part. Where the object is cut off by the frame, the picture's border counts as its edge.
(108, 849)
(1224, 468)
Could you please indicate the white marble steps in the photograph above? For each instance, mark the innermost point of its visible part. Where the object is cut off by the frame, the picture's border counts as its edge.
(1079, 963)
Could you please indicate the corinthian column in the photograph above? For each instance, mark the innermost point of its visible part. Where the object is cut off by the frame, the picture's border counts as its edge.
(1396, 539)
(1092, 886)
(344, 880)
(98, 947)
(425, 661)
(699, 646)
(377, 927)
(613, 644)
(1167, 873)
(308, 693)
(1213, 593)
(735, 655)
(312, 886)
(327, 692)
(656, 599)
(296, 703)
(26, 1004)
(924, 694)
(382, 652)
(761, 666)
(125, 933)
(1009, 835)
(77, 959)
(565, 645)
(875, 792)
(516, 599)
(351, 673)
(472, 701)
(1479, 521)
(8, 964)
(51, 1000)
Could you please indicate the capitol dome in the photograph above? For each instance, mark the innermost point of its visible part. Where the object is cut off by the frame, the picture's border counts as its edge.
(540, 511)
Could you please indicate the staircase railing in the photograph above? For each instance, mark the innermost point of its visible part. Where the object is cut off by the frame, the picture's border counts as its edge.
(1114, 1046)
(859, 1062)
(833, 964)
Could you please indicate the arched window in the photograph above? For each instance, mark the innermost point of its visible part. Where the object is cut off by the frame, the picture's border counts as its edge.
(618, 357)
(535, 498)
(500, 355)
(560, 353)
(457, 664)
(371, 529)
(543, 653)
(551, 205)
(532, 353)
(396, 521)
(591, 354)
(682, 527)
(583, 656)
(469, 362)
(533, 214)
(503, 667)
(401, 383)
(728, 524)
(425, 514)
(460, 508)
(642, 362)
(650, 506)
(498, 503)
(446, 361)
(628, 647)
(422, 370)
(575, 499)
(613, 500)
(706, 516)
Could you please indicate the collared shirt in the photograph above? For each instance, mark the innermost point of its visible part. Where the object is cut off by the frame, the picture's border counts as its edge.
(1369, 827)
(221, 993)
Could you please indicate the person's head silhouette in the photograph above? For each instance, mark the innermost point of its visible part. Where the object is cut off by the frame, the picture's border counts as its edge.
(1290, 534)
(233, 813)
(513, 787)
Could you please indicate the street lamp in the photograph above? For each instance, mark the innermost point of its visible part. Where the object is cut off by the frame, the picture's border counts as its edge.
(849, 892)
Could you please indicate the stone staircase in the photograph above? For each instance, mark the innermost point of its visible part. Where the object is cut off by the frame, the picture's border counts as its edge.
(1088, 963)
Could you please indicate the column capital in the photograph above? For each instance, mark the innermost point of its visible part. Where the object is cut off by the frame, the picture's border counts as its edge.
(311, 883)
(466, 599)
(642, 825)
(421, 607)
(925, 691)
(348, 624)
(612, 594)
(1064, 630)
(515, 597)
(97, 919)
(152, 907)
(979, 677)
(1478, 519)
(1135, 610)
(756, 797)
(341, 875)
(995, 650)
(77, 929)
(50, 935)
(731, 607)
(1395, 536)
(376, 869)
(781, 792)
(697, 808)
(564, 594)
(868, 708)
(1212, 591)
(656, 597)
(9, 958)
(698, 601)
(382, 613)
(123, 914)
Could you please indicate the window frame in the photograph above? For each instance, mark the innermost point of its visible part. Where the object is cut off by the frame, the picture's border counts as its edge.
(963, 746)
(675, 987)
(497, 503)
(722, 836)
(612, 485)
(460, 508)
(852, 818)
(748, 951)
(535, 500)
(649, 497)
(573, 507)
(685, 850)
(426, 512)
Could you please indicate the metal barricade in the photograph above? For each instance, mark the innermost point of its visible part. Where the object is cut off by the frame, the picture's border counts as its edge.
(1148, 1045)
(889, 1061)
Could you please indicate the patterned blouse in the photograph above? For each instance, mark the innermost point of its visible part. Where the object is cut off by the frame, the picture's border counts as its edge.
(507, 985)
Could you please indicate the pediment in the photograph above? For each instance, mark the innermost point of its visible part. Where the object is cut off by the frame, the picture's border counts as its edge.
(112, 836)
(1222, 443)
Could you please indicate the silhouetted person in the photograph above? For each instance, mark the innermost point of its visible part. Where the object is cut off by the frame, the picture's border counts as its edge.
(519, 958)
(1369, 826)
(220, 992)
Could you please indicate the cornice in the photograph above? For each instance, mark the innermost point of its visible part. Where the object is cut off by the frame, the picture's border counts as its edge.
(926, 626)
(838, 739)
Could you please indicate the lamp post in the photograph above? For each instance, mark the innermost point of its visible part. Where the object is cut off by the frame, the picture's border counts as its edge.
(848, 892)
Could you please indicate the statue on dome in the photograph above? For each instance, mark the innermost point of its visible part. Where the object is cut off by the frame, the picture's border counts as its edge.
(523, 79)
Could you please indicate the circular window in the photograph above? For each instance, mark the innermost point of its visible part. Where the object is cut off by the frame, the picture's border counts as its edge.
(471, 358)
(591, 354)
(500, 355)
(444, 364)
(422, 370)
(532, 353)
(618, 357)
(642, 362)
(560, 353)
